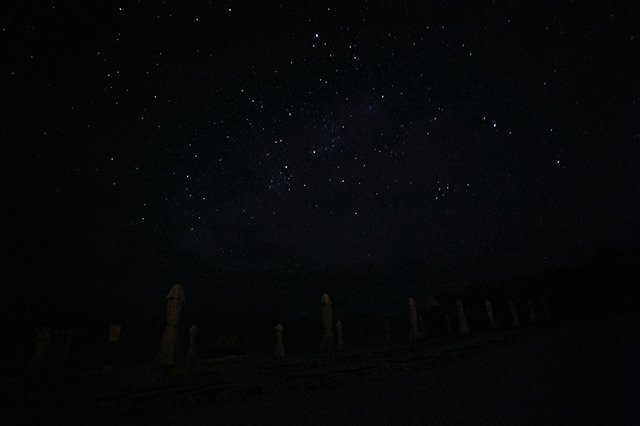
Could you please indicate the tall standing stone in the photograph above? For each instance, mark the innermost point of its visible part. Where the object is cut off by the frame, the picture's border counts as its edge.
(192, 352)
(489, 308)
(327, 342)
(387, 331)
(414, 328)
(168, 353)
(547, 313)
(340, 346)
(532, 312)
(514, 314)
(449, 326)
(279, 350)
(463, 328)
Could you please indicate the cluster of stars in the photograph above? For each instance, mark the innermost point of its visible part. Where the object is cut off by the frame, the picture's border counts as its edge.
(298, 117)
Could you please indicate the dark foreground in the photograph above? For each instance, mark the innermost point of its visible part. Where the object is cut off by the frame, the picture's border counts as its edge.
(582, 371)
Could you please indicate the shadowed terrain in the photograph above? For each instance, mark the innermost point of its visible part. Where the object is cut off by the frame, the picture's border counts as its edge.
(582, 370)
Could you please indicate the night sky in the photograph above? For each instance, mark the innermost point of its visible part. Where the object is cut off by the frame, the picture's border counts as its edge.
(262, 153)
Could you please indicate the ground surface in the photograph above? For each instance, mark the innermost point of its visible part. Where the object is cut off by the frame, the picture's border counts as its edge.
(581, 371)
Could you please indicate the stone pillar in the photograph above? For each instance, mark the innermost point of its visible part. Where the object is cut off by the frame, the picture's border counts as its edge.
(532, 312)
(327, 342)
(279, 350)
(449, 326)
(192, 352)
(514, 314)
(414, 329)
(340, 346)
(492, 321)
(387, 331)
(547, 313)
(463, 328)
(168, 353)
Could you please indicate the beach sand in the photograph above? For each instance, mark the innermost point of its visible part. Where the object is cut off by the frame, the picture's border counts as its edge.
(581, 371)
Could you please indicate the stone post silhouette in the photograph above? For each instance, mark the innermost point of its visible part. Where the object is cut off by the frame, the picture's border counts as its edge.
(387, 331)
(463, 328)
(449, 326)
(547, 313)
(492, 321)
(192, 352)
(340, 346)
(168, 353)
(532, 312)
(414, 328)
(514, 314)
(279, 350)
(327, 342)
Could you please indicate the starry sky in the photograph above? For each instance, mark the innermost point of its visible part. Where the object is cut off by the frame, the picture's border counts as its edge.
(268, 151)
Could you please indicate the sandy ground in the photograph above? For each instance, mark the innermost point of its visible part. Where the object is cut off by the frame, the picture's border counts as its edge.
(583, 371)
